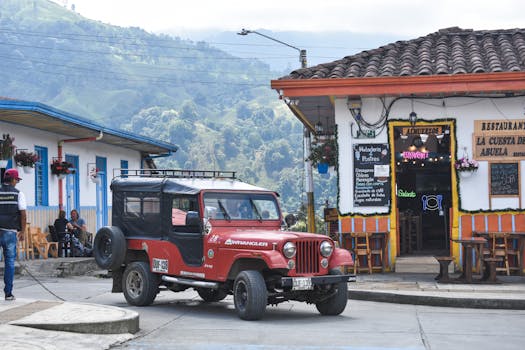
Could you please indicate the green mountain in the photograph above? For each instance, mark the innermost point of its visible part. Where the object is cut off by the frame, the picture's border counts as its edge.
(218, 108)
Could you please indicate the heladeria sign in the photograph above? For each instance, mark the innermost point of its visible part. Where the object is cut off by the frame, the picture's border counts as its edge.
(496, 140)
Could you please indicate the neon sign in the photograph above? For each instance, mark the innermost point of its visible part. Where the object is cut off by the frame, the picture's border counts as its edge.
(415, 155)
(406, 194)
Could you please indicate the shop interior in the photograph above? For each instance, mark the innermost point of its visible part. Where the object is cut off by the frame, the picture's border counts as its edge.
(423, 188)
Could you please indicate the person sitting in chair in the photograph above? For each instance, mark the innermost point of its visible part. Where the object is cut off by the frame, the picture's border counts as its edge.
(77, 226)
(61, 224)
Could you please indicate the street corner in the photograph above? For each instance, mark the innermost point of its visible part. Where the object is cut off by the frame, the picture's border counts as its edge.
(76, 317)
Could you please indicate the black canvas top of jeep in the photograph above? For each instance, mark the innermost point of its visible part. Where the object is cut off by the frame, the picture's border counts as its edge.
(142, 199)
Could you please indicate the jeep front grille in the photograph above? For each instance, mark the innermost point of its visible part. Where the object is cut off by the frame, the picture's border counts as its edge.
(307, 258)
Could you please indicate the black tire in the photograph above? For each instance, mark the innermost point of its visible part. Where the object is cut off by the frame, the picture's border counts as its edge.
(250, 295)
(211, 295)
(336, 303)
(139, 284)
(109, 248)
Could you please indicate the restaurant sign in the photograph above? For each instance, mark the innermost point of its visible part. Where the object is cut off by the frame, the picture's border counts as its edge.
(499, 140)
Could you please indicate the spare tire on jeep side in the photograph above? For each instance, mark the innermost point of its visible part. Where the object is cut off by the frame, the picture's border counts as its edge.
(109, 248)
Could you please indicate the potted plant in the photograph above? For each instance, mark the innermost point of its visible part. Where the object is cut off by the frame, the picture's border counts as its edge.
(7, 149)
(26, 160)
(61, 168)
(466, 167)
(323, 155)
(94, 175)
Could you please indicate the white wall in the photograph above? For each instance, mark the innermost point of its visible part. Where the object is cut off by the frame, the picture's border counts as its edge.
(474, 191)
(28, 138)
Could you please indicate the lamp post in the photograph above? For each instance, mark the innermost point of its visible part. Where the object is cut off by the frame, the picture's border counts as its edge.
(306, 138)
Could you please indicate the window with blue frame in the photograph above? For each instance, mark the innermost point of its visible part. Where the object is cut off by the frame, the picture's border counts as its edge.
(41, 176)
(123, 168)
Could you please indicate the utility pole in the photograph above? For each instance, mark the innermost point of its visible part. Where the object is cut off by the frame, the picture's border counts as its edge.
(309, 180)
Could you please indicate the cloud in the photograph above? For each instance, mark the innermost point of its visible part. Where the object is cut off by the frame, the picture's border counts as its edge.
(403, 17)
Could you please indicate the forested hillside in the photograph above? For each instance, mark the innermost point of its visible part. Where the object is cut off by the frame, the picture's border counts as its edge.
(217, 108)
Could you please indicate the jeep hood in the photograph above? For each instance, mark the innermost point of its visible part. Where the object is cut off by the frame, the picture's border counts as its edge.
(270, 236)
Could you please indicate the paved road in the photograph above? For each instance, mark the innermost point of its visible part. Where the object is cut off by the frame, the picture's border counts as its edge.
(182, 321)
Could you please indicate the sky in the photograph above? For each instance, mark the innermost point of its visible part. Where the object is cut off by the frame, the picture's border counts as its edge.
(407, 18)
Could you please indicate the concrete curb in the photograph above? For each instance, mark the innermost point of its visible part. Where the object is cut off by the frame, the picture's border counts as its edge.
(83, 318)
(432, 300)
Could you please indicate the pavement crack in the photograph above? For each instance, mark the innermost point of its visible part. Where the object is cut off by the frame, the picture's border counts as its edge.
(422, 333)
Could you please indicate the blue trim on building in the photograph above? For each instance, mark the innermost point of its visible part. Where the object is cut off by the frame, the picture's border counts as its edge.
(67, 117)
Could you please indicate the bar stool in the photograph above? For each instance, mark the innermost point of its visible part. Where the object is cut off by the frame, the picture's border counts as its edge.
(362, 251)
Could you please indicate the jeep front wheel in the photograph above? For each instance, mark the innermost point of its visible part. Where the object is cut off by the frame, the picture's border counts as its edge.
(250, 295)
(336, 303)
(139, 284)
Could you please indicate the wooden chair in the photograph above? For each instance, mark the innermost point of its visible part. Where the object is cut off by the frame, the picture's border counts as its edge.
(361, 250)
(485, 251)
(500, 250)
(513, 254)
(25, 247)
(41, 244)
(64, 241)
(377, 242)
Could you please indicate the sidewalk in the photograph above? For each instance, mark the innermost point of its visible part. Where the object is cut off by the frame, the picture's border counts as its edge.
(422, 289)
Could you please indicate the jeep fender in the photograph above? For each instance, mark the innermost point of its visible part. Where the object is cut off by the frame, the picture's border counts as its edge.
(340, 257)
(256, 260)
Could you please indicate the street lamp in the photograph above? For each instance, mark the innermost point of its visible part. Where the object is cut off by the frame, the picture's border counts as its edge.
(302, 53)
(309, 180)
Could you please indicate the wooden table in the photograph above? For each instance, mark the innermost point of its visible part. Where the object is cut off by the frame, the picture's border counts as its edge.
(470, 247)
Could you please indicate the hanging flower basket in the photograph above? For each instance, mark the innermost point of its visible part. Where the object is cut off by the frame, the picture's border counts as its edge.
(465, 174)
(466, 167)
(26, 159)
(324, 153)
(322, 168)
(27, 169)
(94, 175)
(61, 168)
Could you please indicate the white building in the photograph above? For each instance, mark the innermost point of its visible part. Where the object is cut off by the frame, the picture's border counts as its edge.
(404, 115)
(92, 150)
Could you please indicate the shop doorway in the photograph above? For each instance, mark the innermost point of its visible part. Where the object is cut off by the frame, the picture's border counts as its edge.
(423, 188)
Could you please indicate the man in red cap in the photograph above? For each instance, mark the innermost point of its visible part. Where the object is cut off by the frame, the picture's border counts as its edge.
(12, 221)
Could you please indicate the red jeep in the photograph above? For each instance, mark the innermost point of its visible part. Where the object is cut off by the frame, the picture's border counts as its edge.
(209, 231)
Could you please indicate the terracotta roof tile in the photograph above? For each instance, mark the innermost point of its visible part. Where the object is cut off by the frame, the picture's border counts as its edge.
(448, 51)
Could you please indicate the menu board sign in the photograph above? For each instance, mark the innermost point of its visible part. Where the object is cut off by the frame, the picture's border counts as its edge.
(504, 179)
(371, 175)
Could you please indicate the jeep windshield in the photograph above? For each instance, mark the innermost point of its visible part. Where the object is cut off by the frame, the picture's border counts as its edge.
(240, 206)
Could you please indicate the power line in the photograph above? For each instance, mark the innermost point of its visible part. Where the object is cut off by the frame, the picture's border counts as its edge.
(148, 79)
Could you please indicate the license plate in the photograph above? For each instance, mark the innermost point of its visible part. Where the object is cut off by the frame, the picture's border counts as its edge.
(302, 283)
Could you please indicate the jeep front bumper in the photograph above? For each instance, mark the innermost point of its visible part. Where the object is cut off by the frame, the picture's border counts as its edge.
(307, 283)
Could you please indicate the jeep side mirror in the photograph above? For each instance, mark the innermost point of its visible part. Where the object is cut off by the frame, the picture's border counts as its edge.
(193, 221)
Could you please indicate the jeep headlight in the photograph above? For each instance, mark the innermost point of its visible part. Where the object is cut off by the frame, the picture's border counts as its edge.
(326, 249)
(289, 250)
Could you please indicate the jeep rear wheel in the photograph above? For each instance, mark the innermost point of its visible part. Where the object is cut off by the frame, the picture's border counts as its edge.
(109, 248)
(335, 304)
(139, 284)
(250, 295)
(211, 295)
